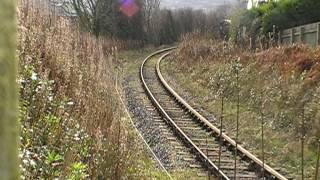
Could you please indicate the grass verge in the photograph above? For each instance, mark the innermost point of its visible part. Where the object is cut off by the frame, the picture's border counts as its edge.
(279, 86)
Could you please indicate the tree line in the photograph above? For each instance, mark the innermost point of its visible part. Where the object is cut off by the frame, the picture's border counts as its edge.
(275, 15)
(148, 22)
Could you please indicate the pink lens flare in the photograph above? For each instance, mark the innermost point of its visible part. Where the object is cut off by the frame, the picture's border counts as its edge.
(129, 7)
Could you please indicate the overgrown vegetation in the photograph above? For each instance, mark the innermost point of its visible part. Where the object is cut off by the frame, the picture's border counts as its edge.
(275, 16)
(279, 86)
(9, 129)
(72, 125)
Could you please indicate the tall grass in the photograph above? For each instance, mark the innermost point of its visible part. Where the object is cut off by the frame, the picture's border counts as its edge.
(69, 110)
(278, 93)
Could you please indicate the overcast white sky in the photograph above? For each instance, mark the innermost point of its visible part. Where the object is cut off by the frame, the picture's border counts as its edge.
(196, 4)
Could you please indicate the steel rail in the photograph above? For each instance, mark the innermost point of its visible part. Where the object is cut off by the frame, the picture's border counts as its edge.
(229, 140)
(171, 122)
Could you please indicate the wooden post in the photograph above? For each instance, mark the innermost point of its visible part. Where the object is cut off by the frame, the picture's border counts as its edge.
(302, 141)
(279, 38)
(318, 34)
(9, 128)
(237, 117)
(318, 163)
(292, 36)
(221, 129)
(301, 34)
(262, 143)
(207, 154)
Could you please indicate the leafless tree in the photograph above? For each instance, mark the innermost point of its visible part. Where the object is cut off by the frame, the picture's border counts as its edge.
(151, 8)
(86, 11)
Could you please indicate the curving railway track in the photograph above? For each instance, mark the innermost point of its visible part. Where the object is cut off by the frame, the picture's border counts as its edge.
(217, 152)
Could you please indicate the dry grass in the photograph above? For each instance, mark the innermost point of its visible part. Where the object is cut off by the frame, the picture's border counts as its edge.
(75, 61)
(279, 82)
(288, 60)
(69, 110)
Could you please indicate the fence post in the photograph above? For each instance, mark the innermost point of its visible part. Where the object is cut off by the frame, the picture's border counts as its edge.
(318, 163)
(279, 38)
(301, 34)
(318, 34)
(292, 36)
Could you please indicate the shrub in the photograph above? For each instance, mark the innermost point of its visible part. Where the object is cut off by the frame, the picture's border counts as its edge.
(69, 111)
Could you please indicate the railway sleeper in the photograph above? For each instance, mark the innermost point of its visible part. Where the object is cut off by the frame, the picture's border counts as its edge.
(250, 176)
(183, 152)
(225, 167)
(161, 124)
(213, 154)
(180, 147)
(173, 108)
(176, 143)
(225, 161)
(174, 114)
(230, 163)
(204, 140)
(195, 166)
(186, 123)
(196, 128)
(190, 159)
(197, 135)
(179, 119)
(189, 126)
(211, 147)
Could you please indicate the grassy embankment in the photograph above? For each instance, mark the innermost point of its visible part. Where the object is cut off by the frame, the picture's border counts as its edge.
(72, 124)
(279, 85)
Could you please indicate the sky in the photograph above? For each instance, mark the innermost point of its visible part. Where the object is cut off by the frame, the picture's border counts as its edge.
(196, 4)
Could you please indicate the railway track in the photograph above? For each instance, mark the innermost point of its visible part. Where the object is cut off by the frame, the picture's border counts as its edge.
(215, 150)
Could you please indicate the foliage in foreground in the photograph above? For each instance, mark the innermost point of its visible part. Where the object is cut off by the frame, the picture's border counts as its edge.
(279, 86)
(9, 130)
(72, 126)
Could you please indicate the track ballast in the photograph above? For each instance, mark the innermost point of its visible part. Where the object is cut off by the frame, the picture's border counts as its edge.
(215, 150)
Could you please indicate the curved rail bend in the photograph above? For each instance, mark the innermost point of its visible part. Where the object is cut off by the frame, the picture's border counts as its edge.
(267, 169)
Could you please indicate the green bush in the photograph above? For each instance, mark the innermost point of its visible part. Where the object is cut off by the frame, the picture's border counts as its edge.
(289, 13)
(282, 14)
